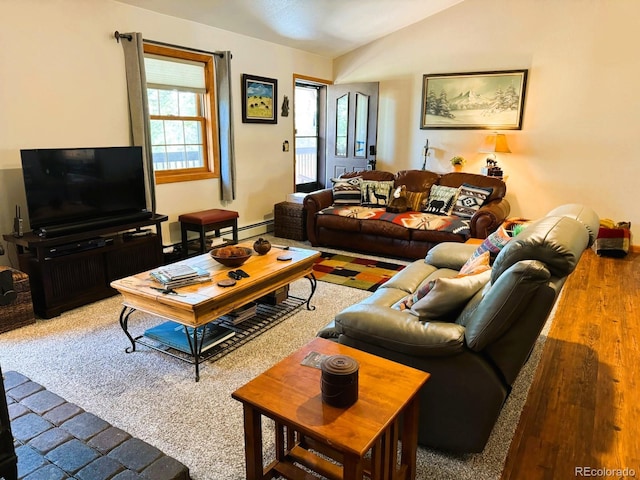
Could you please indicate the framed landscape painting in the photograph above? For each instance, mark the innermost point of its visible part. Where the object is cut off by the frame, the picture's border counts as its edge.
(259, 99)
(480, 100)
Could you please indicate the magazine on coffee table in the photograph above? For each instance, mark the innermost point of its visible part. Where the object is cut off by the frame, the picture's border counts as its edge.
(174, 276)
(173, 335)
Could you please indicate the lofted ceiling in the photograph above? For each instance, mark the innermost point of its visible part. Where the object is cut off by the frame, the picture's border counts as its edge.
(326, 27)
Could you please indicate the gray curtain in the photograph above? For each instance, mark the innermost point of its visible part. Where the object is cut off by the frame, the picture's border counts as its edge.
(225, 126)
(139, 108)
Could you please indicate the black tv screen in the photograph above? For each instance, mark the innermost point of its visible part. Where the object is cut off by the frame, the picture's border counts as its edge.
(71, 186)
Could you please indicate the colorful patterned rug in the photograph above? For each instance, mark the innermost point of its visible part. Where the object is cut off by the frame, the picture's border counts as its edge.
(361, 273)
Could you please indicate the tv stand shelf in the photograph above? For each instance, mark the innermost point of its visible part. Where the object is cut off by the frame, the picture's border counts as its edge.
(69, 271)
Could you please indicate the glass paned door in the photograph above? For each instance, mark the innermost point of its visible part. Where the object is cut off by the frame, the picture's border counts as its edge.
(306, 125)
(352, 125)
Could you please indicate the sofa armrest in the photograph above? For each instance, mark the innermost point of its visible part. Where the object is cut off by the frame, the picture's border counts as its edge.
(451, 255)
(489, 217)
(400, 331)
(313, 203)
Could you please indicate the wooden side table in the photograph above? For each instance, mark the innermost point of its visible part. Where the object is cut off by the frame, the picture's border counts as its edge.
(289, 393)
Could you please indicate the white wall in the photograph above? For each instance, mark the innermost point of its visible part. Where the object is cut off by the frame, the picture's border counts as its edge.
(62, 84)
(579, 141)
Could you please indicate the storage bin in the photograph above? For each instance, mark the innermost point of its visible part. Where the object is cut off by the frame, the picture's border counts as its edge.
(19, 312)
(290, 221)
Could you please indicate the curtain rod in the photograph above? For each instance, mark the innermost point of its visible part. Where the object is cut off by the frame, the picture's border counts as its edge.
(129, 37)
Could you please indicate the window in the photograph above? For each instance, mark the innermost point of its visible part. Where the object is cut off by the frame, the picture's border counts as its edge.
(182, 110)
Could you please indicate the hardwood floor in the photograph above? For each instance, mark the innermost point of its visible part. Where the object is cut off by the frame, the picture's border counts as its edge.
(583, 408)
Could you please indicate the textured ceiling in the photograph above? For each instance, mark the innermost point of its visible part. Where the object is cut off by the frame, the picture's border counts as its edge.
(327, 27)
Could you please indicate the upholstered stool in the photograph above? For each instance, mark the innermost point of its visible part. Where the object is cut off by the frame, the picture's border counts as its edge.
(205, 221)
(17, 310)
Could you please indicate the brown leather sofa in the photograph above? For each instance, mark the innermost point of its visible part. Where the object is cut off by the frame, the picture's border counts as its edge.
(389, 239)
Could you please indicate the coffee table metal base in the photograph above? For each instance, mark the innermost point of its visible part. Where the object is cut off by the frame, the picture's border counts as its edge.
(272, 316)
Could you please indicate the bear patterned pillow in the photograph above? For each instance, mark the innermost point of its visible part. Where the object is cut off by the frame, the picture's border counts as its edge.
(449, 295)
(470, 199)
(376, 193)
(346, 191)
(441, 200)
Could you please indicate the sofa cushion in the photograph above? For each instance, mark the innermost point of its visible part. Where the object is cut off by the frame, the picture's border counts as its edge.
(377, 175)
(585, 215)
(346, 191)
(449, 295)
(503, 303)
(455, 179)
(376, 193)
(400, 331)
(470, 199)
(441, 200)
(417, 180)
(558, 242)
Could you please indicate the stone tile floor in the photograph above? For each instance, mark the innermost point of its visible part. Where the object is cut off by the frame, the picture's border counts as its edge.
(56, 440)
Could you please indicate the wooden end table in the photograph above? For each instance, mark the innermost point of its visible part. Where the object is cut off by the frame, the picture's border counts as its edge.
(289, 393)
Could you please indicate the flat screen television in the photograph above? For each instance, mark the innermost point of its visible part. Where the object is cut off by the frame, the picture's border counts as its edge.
(71, 190)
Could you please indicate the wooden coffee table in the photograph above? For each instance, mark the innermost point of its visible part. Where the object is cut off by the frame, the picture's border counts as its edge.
(289, 393)
(196, 305)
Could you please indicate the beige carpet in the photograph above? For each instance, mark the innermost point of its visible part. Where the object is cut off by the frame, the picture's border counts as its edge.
(80, 356)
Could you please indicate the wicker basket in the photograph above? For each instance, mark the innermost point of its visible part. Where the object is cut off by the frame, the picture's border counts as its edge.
(19, 312)
(289, 221)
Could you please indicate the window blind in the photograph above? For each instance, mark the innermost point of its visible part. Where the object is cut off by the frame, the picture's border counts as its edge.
(164, 72)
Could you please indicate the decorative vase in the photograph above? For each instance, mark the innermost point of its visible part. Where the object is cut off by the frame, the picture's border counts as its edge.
(457, 167)
(262, 246)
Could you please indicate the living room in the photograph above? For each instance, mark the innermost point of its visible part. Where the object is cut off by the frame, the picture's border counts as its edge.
(68, 90)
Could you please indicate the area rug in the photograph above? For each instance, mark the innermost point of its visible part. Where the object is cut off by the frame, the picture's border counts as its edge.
(81, 356)
(362, 273)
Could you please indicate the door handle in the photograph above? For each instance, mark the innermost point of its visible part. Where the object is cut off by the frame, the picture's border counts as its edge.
(372, 150)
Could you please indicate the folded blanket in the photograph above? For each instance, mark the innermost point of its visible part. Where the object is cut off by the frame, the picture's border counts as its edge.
(413, 220)
(613, 242)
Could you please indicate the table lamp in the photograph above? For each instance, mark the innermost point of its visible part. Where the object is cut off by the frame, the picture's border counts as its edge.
(494, 143)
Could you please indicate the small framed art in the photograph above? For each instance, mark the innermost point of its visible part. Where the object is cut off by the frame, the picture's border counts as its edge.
(259, 99)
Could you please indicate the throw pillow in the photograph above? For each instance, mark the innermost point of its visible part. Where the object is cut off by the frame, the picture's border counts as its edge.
(376, 193)
(408, 301)
(346, 191)
(449, 295)
(492, 244)
(476, 265)
(470, 199)
(416, 200)
(441, 200)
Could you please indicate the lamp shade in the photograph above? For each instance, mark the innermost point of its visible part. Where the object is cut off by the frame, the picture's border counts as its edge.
(495, 143)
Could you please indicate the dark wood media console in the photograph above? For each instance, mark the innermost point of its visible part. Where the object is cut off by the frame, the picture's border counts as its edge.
(68, 271)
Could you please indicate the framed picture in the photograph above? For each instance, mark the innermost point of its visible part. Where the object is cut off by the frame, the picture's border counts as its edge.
(259, 99)
(480, 100)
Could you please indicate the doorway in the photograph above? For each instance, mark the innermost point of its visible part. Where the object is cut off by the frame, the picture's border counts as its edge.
(309, 134)
(352, 128)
